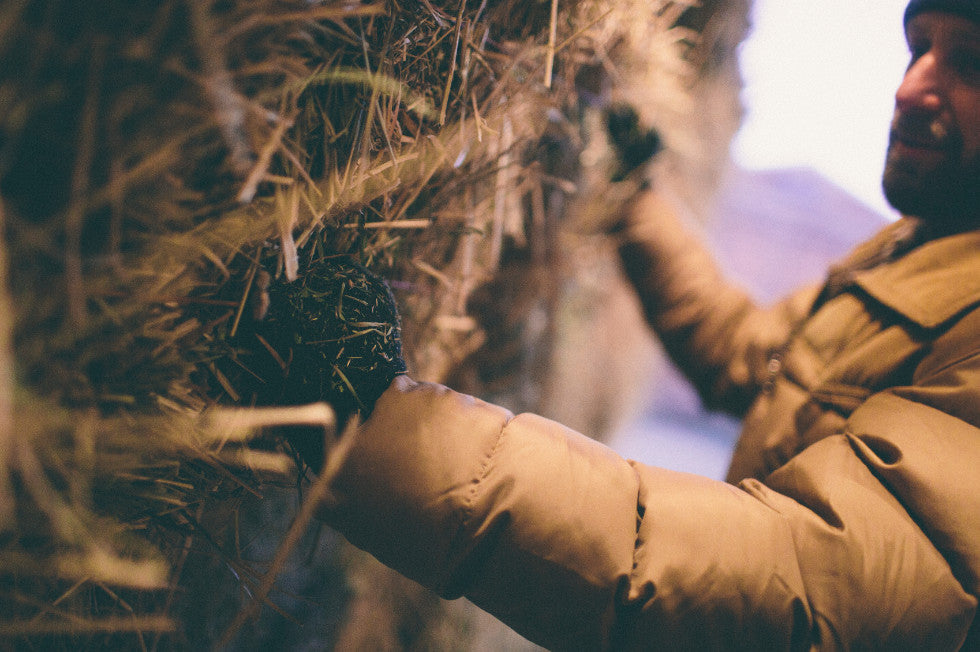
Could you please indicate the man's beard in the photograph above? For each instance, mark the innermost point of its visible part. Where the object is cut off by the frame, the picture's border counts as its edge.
(946, 191)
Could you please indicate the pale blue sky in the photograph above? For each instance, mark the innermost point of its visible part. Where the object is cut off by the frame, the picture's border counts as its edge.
(820, 83)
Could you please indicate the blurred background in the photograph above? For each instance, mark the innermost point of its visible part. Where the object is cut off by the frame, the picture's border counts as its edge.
(819, 82)
(803, 184)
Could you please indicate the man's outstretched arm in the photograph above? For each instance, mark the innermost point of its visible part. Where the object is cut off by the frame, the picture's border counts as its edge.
(576, 548)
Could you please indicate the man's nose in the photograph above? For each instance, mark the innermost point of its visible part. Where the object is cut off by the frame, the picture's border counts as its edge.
(921, 88)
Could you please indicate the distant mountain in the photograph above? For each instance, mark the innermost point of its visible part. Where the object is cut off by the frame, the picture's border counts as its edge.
(774, 230)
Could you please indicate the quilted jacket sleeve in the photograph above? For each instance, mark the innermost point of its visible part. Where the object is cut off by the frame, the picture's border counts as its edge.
(713, 329)
(577, 548)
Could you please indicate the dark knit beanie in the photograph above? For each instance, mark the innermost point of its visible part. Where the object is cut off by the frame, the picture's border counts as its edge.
(966, 8)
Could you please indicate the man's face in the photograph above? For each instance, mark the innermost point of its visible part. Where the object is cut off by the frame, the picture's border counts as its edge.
(933, 165)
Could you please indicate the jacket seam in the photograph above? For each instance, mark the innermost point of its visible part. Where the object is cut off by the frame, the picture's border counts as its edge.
(949, 365)
(477, 482)
(626, 609)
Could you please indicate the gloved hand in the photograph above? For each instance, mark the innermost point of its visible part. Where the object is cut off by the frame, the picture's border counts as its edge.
(332, 335)
(610, 184)
(634, 144)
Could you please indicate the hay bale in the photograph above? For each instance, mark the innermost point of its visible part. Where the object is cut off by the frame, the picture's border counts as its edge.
(156, 159)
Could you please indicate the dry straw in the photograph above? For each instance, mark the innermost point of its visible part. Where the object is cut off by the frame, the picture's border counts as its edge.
(159, 163)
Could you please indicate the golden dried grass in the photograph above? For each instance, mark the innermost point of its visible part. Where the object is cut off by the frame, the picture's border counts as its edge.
(156, 155)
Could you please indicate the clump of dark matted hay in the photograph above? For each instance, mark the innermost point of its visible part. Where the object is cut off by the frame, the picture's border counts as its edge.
(332, 335)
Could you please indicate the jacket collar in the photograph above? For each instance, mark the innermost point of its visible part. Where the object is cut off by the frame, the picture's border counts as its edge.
(930, 284)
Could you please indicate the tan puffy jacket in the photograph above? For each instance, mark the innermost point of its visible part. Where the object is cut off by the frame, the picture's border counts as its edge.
(855, 523)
